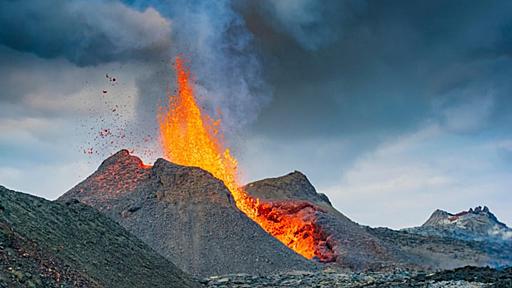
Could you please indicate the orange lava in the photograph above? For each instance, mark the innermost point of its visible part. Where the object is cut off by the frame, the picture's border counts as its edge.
(190, 137)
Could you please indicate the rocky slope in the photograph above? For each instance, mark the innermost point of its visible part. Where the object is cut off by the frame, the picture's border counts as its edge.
(439, 252)
(185, 214)
(477, 224)
(351, 245)
(47, 244)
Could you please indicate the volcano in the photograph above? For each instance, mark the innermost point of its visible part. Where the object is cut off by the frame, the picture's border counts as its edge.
(186, 215)
(189, 216)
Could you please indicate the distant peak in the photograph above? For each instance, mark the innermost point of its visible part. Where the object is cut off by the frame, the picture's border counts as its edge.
(471, 218)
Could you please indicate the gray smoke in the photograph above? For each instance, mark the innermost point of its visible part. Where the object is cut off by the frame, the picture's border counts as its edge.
(220, 52)
(313, 24)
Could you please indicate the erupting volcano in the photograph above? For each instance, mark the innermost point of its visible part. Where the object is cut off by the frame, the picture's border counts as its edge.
(190, 137)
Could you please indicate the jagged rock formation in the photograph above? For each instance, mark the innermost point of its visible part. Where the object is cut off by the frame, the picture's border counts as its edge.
(185, 214)
(474, 224)
(47, 244)
(350, 244)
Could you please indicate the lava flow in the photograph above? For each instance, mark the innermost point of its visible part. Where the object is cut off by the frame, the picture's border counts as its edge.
(191, 138)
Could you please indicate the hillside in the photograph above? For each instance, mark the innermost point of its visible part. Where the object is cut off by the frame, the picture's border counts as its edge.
(47, 244)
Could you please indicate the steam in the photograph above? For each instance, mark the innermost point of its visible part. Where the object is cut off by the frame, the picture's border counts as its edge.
(227, 68)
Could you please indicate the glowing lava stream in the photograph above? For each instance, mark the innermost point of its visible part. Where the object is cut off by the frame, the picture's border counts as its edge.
(192, 139)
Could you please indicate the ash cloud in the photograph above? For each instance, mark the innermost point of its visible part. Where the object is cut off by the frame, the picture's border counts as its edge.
(388, 67)
(313, 24)
(222, 57)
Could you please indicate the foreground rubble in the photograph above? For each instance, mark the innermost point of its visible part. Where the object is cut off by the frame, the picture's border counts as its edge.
(467, 277)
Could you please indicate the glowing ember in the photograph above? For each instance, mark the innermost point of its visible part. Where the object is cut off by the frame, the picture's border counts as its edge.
(191, 138)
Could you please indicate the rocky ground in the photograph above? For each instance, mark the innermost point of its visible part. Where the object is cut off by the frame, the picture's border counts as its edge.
(47, 244)
(467, 277)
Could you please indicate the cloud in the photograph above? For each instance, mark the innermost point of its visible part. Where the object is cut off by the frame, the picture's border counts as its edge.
(387, 106)
(393, 62)
(84, 32)
(472, 115)
(312, 24)
(58, 88)
(39, 183)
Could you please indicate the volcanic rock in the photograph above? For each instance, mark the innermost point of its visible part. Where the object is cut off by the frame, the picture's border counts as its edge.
(347, 244)
(435, 251)
(186, 215)
(47, 244)
(475, 224)
(468, 277)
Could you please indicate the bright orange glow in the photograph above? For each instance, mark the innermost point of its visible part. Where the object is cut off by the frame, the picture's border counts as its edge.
(191, 138)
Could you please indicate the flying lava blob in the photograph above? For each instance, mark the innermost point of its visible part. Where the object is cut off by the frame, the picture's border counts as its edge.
(190, 137)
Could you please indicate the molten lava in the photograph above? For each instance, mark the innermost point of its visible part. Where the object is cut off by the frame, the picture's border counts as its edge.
(191, 138)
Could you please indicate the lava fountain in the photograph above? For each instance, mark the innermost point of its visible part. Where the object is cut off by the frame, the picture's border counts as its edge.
(190, 137)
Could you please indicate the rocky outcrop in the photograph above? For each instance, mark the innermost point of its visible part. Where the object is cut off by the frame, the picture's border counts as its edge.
(47, 244)
(478, 224)
(185, 214)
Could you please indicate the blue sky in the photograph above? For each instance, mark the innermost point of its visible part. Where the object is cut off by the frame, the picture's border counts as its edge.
(391, 108)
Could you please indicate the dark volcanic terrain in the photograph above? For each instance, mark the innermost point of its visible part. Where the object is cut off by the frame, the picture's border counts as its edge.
(446, 241)
(47, 244)
(185, 214)
(465, 277)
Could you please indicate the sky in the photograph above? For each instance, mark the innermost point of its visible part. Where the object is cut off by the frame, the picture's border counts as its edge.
(391, 108)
